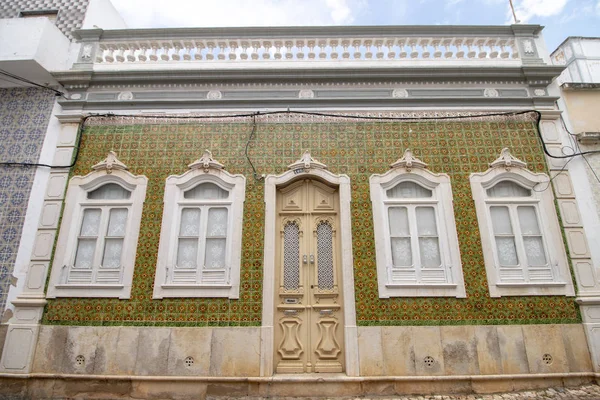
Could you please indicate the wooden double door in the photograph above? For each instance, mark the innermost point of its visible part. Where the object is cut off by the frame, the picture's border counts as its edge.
(309, 323)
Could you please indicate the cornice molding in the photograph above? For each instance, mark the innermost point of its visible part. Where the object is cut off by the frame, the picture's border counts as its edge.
(311, 32)
(535, 75)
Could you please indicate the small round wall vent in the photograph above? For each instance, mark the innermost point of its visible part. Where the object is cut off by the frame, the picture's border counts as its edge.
(189, 361)
(547, 359)
(428, 361)
(80, 361)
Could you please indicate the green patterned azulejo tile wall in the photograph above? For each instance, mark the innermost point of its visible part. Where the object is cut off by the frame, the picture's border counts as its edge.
(159, 148)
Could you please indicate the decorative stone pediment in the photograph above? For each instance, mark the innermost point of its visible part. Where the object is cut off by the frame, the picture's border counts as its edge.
(409, 162)
(110, 163)
(307, 162)
(507, 160)
(206, 162)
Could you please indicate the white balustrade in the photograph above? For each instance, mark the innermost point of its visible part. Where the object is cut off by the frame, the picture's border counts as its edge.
(310, 49)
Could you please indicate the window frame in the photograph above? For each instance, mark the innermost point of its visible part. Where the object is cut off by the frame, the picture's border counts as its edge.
(507, 168)
(441, 201)
(174, 203)
(76, 202)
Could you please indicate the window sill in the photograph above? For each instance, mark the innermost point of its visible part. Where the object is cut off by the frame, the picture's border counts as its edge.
(193, 286)
(89, 290)
(88, 286)
(421, 285)
(180, 290)
(530, 284)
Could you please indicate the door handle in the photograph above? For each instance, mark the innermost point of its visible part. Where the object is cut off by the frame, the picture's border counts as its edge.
(312, 259)
(304, 259)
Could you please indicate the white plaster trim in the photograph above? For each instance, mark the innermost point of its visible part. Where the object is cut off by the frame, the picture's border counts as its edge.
(584, 195)
(442, 198)
(77, 191)
(206, 169)
(549, 225)
(268, 312)
(34, 207)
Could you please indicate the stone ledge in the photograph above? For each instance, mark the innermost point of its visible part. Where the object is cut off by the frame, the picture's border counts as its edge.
(49, 386)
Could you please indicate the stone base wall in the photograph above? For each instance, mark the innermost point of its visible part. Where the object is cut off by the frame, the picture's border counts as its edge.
(395, 351)
(473, 350)
(147, 351)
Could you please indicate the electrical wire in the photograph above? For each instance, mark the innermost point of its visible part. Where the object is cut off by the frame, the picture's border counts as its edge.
(256, 175)
(20, 78)
(75, 156)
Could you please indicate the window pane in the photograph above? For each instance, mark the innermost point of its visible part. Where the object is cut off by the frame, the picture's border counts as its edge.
(398, 221)
(507, 252)
(501, 220)
(217, 222)
(426, 221)
(215, 253)
(401, 252)
(91, 222)
(85, 253)
(117, 222)
(528, 220)
(508, 189)
(190, 222)
(534, 248)
(408, 190)
(206, 191)
(325, 256)
(112, 253)
(187, 253)
(430, 252)
(110, 191)
(291, 256)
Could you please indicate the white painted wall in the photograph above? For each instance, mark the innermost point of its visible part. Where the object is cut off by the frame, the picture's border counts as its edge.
(102, 14)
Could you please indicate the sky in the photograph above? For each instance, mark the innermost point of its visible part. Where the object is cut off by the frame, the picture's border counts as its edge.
(561, 18)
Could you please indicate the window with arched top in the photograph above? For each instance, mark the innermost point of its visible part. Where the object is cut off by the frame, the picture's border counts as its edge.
(199, 253)
(415, 233)
(520, 235)
(95, 253)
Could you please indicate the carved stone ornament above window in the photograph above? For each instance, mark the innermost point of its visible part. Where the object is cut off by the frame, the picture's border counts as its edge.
(307, 162)
(399, 93)
(409, 162)
(206, 162)
(110, 163)
(490, 93)
(306, 94)
(507, 160)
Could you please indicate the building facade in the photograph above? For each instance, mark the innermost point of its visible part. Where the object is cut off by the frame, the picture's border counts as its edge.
(298, 211)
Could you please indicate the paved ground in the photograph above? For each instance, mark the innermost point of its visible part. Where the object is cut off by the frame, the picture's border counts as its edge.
(582, 392)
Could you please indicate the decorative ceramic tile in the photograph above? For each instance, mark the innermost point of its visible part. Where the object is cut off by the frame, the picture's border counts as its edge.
(158, 149)
(70, 12)
(24, 116)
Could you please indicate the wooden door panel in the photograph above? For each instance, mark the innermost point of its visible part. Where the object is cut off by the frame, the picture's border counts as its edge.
(308, 336)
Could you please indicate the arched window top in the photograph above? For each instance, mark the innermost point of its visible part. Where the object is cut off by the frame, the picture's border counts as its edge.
(109, 191)
(508, 188)
(408, 190)
(206, 191)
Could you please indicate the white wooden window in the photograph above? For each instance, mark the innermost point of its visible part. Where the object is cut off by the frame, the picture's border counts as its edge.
(415, 234)
(96, 248)
(200, 245)
(520, 234)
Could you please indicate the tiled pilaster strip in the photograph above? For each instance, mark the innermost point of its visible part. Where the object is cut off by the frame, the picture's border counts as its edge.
(586, 274)
(23, 329)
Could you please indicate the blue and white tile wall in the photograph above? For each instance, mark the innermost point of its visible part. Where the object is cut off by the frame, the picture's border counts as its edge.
(24, 117)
